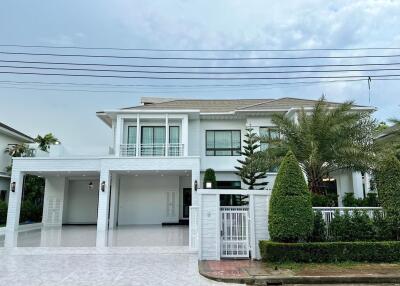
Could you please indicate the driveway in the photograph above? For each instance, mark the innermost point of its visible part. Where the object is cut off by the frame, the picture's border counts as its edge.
(100, 266)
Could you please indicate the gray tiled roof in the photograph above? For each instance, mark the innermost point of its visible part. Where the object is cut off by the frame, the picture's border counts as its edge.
(287, 103)
(229, 105)
(205, 106)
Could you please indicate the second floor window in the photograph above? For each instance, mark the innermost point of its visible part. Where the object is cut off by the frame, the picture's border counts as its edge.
(268, 133)
(131, 135)
(223, 142)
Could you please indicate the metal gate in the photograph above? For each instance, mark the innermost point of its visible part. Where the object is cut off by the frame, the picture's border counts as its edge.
(235, 232)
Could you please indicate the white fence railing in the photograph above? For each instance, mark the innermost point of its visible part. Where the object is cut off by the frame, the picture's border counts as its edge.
(151, 150)
(194, 228)
(329, 212)
(235, 241)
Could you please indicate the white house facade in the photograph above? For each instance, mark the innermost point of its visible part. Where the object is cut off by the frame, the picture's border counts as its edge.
(8, 137)
(153, 173)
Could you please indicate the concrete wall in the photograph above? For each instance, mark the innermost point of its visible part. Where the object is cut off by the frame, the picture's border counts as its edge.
(209, 225)
(143, 199)
(80, 206)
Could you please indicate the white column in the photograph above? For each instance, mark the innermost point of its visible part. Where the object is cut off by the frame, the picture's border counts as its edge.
(54, 201)
(357, 185)
(114, 200)
(185, 134)
(14, 207)
(118, 135)
(166, 134)
(103, 209)
(138, 139)
(367, 182)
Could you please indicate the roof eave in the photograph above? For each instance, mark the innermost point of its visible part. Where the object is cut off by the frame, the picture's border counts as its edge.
(18, 135)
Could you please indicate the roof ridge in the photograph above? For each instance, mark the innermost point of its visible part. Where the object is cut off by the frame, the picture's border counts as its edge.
(271, 100)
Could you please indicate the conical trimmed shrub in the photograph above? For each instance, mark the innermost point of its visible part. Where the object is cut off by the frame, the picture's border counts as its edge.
(290, 213)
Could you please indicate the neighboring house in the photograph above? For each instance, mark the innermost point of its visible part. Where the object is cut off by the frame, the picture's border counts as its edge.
(8, 137)
(160, 151)
(390, 134)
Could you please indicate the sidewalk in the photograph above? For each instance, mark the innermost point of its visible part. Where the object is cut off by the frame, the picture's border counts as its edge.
(259, 273)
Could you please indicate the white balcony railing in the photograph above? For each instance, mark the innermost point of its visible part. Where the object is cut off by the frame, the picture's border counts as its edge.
(329, 212)
(151, 150)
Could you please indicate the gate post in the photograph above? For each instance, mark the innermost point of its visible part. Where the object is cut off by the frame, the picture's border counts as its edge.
(253, 245)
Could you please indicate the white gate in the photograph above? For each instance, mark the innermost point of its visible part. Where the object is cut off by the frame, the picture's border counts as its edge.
(235, 232)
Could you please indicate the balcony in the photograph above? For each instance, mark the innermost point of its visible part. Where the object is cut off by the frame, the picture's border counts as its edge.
(152, 150)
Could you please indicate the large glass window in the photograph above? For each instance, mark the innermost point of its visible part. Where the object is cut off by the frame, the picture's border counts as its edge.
(153, 140)
(268, 133)
(131, 135)
(174, 134)
(223, 142)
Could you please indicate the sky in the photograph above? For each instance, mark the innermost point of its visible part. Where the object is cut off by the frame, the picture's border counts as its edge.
(182, 24)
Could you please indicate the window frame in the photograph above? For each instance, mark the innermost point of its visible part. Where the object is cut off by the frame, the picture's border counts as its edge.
(275, 128)
(232, 150)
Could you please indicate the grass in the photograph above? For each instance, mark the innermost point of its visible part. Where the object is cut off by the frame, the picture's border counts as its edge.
(334, 268)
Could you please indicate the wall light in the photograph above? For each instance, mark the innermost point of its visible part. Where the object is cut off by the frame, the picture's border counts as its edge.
(103, 186)
(195, 185)
(90, 186)
(13, 187)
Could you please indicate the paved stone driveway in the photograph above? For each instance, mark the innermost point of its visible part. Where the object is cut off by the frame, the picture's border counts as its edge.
(91, 266)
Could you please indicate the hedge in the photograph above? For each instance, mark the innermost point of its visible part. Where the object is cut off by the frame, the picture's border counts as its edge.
(317, 252)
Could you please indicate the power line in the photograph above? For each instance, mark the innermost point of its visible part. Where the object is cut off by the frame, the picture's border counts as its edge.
(198, 58)
(198, 50)
(200, 72)
(264, 87)
(197, 78)
(198, 67)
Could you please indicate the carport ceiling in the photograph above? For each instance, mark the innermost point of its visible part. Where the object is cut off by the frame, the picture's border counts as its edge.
(156, 173)
(66, 173)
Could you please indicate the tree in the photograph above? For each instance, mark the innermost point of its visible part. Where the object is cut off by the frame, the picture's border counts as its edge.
(290, 214)
(387, 178)
(17, 150)
(46, 141)
(209, 176)
(251, 175)
(325, 139)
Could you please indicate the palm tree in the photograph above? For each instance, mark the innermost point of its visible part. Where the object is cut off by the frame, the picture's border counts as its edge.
(17, 150)
(46, 141)
(324, 140)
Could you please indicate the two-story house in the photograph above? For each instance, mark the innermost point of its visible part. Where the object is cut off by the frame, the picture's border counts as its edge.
(160, 151)
(8, 137)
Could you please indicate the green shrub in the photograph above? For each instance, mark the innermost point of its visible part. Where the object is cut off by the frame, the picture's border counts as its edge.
(209, 176)
(328, 252)
(362, 226)
(329, 200)
(340, 228)
(388, 185)
(319, 230)
(381, 227)
(357, 226)
(371, 200)
(30, 212)
(290, 214)
(3, 212)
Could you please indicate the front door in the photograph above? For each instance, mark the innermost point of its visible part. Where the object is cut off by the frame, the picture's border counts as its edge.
(187, 201)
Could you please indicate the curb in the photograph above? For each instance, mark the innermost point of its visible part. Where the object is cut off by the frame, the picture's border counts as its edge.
(279, 280)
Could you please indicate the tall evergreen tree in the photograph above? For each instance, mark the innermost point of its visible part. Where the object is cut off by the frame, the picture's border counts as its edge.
(251, 175)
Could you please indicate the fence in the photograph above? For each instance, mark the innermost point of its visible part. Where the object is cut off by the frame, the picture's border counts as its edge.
(328, 213)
